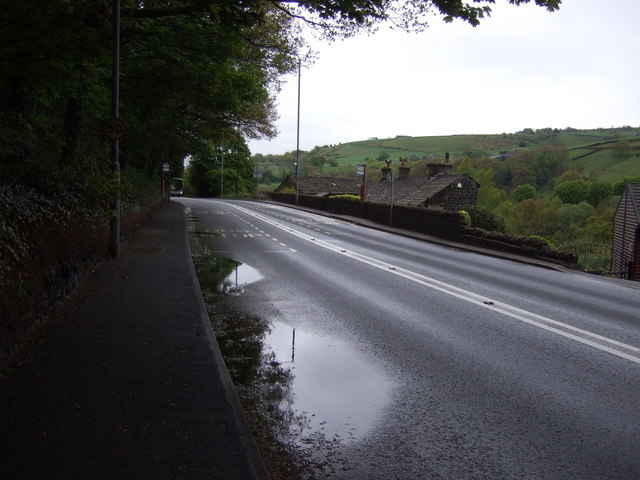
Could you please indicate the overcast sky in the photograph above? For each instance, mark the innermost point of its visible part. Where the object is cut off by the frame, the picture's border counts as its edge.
(521, 68)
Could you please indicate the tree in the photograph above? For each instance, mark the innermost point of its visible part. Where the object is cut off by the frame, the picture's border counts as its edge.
(523, 192)
(332, 18)
(224, 169)
(599, 190)
(573, 191)
(618, 188)
(569, 175)
(529, 217)
(193, 71)
(572, 214)
(549, 161)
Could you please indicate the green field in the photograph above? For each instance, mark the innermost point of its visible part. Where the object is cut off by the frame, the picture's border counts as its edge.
(608, 154)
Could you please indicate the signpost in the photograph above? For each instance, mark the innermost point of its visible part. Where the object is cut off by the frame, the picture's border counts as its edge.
(164, 171)
(361, 174)
(390, 178)
(114, 129)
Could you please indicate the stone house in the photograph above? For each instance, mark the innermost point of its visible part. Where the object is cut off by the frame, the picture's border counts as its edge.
(320, 186)
(438, 189)
(625, 250)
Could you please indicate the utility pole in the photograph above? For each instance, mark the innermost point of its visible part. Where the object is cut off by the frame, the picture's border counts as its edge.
(222, 172)
(114, 223)
(390, 177)
(298, 137)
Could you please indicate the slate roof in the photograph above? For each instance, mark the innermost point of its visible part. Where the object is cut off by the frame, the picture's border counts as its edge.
(322, 185)
(411, 191)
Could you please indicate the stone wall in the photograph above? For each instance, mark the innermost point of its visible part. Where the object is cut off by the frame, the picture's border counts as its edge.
(438, 223)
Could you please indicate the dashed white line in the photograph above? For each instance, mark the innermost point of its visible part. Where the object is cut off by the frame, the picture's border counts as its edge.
(594, 340)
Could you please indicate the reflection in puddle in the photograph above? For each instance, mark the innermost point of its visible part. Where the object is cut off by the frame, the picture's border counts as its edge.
(224, 275)
(241, 275)
(339, 393)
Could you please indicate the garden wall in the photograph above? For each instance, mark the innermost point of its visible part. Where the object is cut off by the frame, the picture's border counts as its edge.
(435, 222)
(48, 245)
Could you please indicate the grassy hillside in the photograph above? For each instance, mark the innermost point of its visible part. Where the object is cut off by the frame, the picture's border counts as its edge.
(608, 154)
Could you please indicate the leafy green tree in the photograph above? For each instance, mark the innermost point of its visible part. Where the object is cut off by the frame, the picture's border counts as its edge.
(569, 175)
(623, 148)
(549, 161)
(572, 214)
(573, 191)
(383, 156)
(222, 170)
(599, 190)
(599, 227)
(345, 18)
(523, 192)
(529, 217)
(618, 188)
(318, 161)
(196, 177)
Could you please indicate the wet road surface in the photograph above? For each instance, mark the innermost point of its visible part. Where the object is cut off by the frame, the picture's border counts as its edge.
(430, 362)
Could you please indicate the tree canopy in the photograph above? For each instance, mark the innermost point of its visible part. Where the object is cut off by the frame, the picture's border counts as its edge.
(192, 71)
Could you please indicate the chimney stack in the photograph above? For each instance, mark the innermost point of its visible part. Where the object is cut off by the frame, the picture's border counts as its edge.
(434, 169)
(386, 170)
(403, 171)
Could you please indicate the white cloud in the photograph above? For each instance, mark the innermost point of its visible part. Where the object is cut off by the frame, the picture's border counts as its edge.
(523, 67)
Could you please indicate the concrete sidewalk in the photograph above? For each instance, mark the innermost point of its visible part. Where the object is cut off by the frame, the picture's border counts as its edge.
(127, 381)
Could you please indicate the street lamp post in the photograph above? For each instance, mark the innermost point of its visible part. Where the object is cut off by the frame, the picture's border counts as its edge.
(298, 136)
(222, 172)
(390, 177)
(114, 224)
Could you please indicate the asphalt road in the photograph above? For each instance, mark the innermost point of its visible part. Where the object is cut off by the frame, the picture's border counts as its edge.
(488, 368)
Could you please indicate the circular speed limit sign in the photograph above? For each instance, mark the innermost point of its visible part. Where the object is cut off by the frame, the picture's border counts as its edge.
(114, 129)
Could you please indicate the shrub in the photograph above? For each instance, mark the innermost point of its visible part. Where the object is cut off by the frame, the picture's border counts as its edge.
(345, 198)
(546, 241)
(486, 219)
(466, 218)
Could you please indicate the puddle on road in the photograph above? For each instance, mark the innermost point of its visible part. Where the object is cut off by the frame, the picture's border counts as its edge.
(334, 388)
(226, 276)
(241, 275)
(308, 394)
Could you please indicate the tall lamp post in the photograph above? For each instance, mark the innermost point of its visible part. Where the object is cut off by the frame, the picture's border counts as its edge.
(114, 224)
(222, 172)
(298, 137)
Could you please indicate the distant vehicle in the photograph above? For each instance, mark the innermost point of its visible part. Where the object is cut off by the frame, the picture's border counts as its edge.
(176, 187)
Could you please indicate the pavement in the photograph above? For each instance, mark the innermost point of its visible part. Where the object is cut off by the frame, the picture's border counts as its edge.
(126, 381)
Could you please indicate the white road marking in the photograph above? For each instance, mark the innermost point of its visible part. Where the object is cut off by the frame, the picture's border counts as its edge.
(586, 337)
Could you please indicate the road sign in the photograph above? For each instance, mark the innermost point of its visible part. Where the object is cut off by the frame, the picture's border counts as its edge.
(114, 129)
(360, 170)
(165, 168)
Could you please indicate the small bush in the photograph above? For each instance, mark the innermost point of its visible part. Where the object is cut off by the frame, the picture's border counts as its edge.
(546, 241)
(466, 218)
(486, 219)
(345, 198)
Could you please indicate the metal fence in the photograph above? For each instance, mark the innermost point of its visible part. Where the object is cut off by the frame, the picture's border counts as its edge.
(595, 257)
